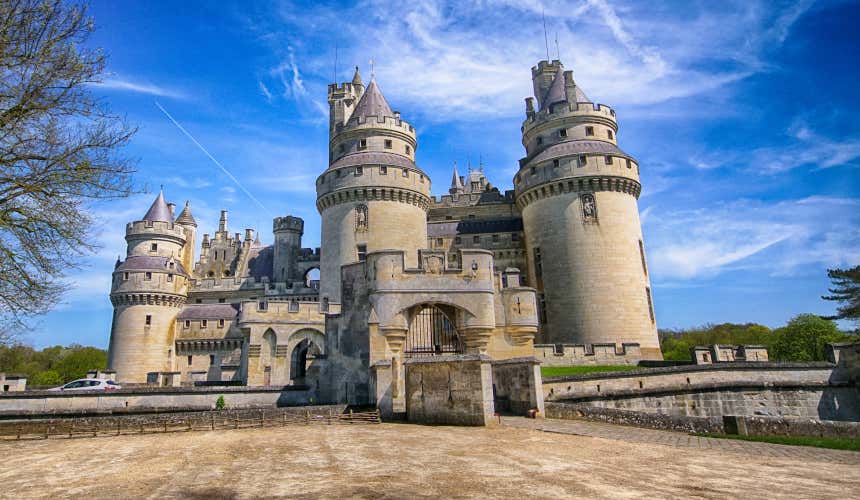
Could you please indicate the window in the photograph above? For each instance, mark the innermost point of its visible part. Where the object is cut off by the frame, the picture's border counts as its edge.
(421, 178)
(169, 278)
(125, 276)
(148, 320)
(609, 134)
(589, 130)
(542, 308)
(388, 144)
(515, 236)
(495, 238)
(362, 252)
(220, 323)
(448, 217)
(408, 150)
(607, 160)
(538, 263)
(533, 170)
(198, 301)
(642, 256)
(190, 359)
(187, 324)
(471, 216)
(204, 323)
(211, 359)
(171, 265)
(583, 160)
(650, 305)
(539, 140)
(405, 173)
(383, 170)
(476, 239)
(628, 163)
(562, 133)
(362, 144)
(221, 300)
(262, 305)
(153, 247)
(555, 163)
(439, 242)
(458, 240)
(341, 148)
(147, 276)
(359, 171)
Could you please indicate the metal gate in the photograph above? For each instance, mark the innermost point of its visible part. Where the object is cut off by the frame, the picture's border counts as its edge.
(432, 333)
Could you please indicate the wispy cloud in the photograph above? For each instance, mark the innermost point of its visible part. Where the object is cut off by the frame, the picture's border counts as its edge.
(125, 85)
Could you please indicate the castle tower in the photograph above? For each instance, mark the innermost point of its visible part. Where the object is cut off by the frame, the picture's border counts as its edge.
(577, 192)
(189, 226)
(148, 289)
(288, 242)
(372, 196)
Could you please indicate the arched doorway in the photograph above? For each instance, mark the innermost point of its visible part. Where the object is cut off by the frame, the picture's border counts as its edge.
(431, 332)
(302, 358)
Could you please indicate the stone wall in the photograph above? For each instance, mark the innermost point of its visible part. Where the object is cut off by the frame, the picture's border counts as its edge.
(450, 390)
(517, 386)
(149, 399)
(590, 354)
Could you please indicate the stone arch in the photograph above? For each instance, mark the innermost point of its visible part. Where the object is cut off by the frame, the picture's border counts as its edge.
(432, 330)
(306, 347)
(312, 277)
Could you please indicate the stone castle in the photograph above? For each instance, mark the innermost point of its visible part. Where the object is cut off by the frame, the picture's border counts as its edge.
(403, 276)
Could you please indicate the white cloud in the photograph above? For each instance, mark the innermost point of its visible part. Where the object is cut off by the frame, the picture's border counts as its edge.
(779, 238)
(125, 85)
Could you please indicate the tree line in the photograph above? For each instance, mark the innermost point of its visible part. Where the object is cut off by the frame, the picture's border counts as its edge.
(803, 338)
(51, 366)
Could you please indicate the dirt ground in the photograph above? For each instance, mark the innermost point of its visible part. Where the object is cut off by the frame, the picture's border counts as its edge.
(401, 461)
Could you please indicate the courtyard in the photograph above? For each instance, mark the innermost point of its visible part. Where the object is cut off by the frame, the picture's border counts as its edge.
(521, 458)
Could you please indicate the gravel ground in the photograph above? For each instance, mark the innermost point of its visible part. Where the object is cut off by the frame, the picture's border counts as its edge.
(403, 461)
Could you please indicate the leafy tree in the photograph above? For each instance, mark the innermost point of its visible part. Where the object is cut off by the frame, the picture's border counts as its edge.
(47, 377)
(59, 150)
(676, 344)
(845, 289)
(52, 365)
(804, 339)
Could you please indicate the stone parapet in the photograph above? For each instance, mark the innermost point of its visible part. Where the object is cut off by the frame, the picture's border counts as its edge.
(588, 354)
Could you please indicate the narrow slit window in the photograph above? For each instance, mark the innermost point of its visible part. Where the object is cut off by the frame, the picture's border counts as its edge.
(642, 256)
(609, 134)
(148, 320)
(650, 303)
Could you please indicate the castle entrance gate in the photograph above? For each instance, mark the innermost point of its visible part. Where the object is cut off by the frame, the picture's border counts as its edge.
(431, 332)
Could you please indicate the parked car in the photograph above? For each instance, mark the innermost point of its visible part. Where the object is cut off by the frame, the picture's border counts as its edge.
(89, 384)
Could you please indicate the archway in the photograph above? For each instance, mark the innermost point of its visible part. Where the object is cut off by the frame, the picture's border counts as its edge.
(312, 278)
(267, 358)
(302, 359)
(431, 332)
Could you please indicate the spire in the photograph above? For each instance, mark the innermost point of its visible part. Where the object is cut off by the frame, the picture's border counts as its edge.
(555, 93)
(356, 79)
(159, 210)
(257, 242)
(456, 184)
(185, 218)
(372, 103)
(222, 224)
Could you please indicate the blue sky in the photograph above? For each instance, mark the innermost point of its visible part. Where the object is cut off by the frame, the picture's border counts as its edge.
(742, 115)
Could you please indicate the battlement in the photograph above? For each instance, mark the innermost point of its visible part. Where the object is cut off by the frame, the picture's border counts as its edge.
(308, 254)
(472, 271)
(285, 310)
(148, 229)
(546, 65)
(588, 354)
(575, 111)
(288, 224)
(341, 88)
(720, 353)
(376, 122)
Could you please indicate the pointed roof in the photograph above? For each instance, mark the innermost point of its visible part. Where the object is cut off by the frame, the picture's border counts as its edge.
(372, 103)
(555, 93)
(356, 78)
(185, 217)
(580, 95)
(159, 210)
(456, 184)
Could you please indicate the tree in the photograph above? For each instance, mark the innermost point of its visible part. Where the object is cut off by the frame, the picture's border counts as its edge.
(845, 289)
(804, 338)
(60, 149)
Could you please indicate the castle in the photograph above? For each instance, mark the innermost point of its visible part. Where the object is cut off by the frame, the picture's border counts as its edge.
(403, 276)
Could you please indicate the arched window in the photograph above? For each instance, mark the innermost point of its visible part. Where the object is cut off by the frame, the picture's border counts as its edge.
(361, 218)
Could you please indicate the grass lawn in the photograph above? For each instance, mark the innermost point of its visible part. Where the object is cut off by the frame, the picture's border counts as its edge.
(818, 442)
(559, 371)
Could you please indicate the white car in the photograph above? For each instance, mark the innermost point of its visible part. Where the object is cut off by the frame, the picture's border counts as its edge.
(89, 384)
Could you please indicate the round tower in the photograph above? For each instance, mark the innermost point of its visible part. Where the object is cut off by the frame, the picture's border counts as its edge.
(148, 289)
(288, 233)
(189, 227)
(372, 196)
(578, 192)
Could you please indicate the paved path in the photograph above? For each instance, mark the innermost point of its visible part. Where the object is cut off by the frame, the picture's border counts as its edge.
(680, 439)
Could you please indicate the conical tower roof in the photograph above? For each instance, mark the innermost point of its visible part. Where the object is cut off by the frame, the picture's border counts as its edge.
(159, 210)
(356, 78)
(372, 103)
(456, 184)
(185, 217)
(580, 95)
(555, 93)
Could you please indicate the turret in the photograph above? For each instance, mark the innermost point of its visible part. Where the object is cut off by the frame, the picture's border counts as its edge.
(148, 289)
(456, 182)
(189, 226)
(288, 233)
(577, 192)
(372, 196)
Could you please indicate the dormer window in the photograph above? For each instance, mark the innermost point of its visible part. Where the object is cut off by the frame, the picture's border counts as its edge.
(362, 144)
(220, 323)
(562, 133)
(153, 247)
(204, 323)
(169, 278)
(383, 170)
(589, 130)
(388, 144)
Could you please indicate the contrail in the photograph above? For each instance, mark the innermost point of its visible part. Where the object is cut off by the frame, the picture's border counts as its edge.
(216, 162)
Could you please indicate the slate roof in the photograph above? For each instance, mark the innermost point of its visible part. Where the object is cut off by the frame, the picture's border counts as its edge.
(568, 148)
(373, 158)
(372, 103)
(555, 93)
(208, 311)
(580, 95)
(185, 216)
(159, 210)
(438, 229)
(149, 263)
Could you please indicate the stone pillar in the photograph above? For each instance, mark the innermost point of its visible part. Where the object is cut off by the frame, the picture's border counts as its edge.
(396, 337)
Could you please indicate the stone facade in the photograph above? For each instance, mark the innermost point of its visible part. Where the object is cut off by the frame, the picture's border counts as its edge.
(403, 275)
(12, 382)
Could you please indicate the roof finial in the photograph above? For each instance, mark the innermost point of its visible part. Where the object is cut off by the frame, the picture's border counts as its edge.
(372, 74)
